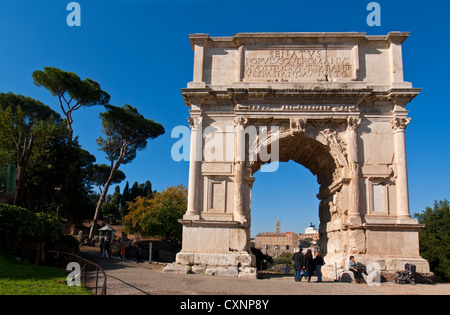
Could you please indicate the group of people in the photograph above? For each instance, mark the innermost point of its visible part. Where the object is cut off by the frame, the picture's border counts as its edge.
(124, 247)
(305, 265)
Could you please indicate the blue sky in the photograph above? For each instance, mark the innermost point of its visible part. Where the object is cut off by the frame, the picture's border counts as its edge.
(139, 52)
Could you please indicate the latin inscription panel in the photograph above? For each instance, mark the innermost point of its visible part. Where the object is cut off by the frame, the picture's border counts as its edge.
(298, 65)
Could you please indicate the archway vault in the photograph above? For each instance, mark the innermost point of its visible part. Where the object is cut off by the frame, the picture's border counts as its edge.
(334, 113)
(316, 147)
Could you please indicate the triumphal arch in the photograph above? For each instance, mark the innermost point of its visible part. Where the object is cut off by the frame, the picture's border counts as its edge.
(333, 102)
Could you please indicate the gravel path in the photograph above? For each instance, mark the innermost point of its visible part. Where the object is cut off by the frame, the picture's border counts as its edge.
(130, 278)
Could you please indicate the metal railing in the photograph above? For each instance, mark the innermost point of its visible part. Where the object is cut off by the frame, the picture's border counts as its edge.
(88, 269)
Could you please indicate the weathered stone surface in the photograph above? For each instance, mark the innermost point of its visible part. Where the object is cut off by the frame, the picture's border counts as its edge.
(248, 272)
(333, 102)
(177, 268)
(222, 271)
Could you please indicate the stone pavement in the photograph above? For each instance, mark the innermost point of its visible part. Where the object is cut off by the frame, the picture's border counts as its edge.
(131, 278)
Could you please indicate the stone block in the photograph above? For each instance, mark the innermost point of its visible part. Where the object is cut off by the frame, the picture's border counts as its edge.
(177, 268)
(248, 272)
(185, 258)
(222, 271)
(198, 269)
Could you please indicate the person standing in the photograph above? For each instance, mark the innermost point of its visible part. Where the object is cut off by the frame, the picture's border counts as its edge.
(102, 245)
(298, 264)
(309, 264)
(106, 248)
(318, 263)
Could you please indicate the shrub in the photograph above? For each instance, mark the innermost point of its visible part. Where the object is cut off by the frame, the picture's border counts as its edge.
(51, 227)
(284, 258)
(18, 225)
(21, 225)
(67, 243)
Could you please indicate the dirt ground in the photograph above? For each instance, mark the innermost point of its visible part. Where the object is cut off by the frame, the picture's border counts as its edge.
(131, 278)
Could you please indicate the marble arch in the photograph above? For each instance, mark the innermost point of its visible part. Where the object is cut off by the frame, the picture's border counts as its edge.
(338, 101)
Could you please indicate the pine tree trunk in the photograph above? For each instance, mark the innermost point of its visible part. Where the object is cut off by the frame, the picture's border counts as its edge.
(104, 193)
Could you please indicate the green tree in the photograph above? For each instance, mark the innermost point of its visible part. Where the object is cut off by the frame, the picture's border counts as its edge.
(99, 174)
(72, 92)
(125, 132)
(24, 121)
(158, 216)
(130, 194)
(435, 238)
(111, 206)
(125, 198)
(57, 178)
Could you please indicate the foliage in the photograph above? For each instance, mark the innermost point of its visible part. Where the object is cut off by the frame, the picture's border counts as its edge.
(21, 225)
(20, 278)
(50, 168)
(126, 131)
(51, 227)
(68, 244)
(284, 258)
(18, 225)
(57, 177)
(72, 92)
(24, 121)
(435, 238)
(99, 173)
(158, 216)
(130, 194)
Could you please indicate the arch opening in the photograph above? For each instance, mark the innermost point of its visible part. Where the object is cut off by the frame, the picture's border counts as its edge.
(289, 196)
(304, 149)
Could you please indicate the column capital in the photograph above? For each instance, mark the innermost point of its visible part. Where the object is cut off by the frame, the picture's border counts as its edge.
(240, 121)
(400, 123)
(194, 122)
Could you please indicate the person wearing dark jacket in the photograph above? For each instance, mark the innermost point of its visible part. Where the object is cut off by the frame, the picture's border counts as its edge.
(308, 264)
(298, 264)
(318, 263)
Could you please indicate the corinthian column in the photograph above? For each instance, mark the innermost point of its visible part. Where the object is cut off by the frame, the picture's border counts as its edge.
(194, 164)
(239, 164)
(401, 183)
(353, 165)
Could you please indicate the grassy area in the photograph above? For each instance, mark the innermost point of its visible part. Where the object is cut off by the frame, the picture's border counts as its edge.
(20, 278)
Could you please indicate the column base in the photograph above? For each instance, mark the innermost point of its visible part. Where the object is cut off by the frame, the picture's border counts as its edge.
(192, 217)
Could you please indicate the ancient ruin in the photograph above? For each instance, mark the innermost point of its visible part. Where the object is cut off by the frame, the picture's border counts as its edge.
(333, 102)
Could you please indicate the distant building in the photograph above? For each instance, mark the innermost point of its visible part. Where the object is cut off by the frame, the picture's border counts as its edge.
(273, 244)
(311, 233)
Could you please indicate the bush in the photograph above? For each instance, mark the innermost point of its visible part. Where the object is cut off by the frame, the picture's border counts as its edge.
(52, 228)
(68, 244)
(284, 258)
(21, 225)
(18, 225)
(435, 238)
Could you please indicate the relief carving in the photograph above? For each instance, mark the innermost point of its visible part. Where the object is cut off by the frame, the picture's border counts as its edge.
(353, 123)
(297, 126)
